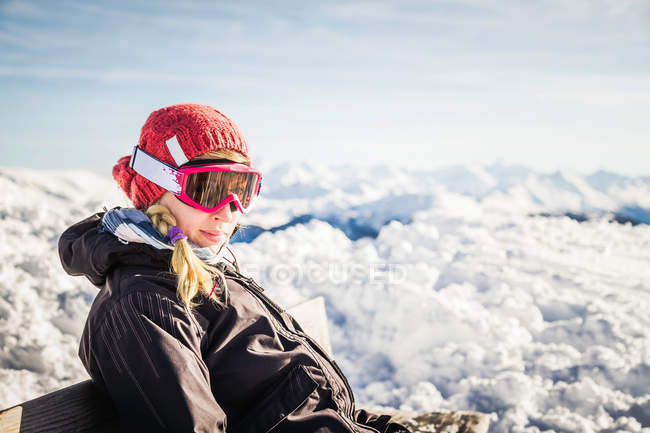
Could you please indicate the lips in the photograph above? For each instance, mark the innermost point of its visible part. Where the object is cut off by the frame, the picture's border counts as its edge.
(213, 235)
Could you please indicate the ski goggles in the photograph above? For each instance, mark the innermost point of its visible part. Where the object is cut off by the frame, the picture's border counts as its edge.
(207, 187)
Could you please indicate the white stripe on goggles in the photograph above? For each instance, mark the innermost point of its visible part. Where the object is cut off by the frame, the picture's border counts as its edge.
(206, 187)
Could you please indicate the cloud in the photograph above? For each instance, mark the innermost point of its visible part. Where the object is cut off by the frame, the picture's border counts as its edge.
(26, 9)
(599, 90)
(126, 76)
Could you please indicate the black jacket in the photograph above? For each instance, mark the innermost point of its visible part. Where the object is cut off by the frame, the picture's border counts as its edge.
(246, 368)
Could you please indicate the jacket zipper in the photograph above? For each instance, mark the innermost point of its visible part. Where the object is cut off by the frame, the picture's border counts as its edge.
(249, 283)
(257, 291)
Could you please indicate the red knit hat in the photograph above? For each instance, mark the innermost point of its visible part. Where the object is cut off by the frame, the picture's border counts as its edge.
(198, 129)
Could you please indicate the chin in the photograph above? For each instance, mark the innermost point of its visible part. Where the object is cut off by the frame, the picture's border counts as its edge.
(216, 247)
(202, 243)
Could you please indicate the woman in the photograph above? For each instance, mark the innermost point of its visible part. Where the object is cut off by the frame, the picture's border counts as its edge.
(179, 339)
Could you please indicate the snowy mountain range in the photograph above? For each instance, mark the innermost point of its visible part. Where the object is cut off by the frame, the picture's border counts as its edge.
(360, 200)
(494, 288)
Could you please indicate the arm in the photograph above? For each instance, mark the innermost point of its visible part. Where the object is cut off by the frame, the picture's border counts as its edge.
(147, 354)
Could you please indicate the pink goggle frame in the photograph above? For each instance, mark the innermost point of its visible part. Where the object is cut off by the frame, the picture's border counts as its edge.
(206, 187)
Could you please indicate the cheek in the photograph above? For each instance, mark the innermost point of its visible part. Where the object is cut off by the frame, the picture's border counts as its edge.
(190, 224)
(189, 229)
(195, 236)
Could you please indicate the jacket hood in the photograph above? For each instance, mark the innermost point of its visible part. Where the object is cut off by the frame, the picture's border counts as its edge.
(85, 249)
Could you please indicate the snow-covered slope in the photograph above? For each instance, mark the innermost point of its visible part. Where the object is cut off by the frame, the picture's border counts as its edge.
(462, 296)
(42, 309)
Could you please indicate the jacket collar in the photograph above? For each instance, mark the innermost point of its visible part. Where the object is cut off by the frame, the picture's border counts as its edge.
(86, 249)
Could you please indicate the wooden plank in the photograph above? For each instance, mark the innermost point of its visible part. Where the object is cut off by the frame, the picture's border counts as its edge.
(78, 408)
(313, 319)
(10, 420)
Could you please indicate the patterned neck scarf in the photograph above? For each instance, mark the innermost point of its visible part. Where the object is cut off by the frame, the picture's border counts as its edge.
(133, 225)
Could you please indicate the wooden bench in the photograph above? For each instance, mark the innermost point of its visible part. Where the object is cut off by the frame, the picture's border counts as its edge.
(83, 407)
(78, 408)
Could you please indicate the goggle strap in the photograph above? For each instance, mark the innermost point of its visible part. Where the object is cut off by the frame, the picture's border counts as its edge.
(163, 175)
(176, 151)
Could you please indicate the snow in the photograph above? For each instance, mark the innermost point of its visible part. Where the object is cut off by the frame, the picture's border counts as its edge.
(462, 296)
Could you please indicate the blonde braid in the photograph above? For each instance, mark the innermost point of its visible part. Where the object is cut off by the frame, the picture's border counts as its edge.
(194, 275)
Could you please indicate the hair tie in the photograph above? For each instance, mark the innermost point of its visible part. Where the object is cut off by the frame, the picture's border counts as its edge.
(175, 234)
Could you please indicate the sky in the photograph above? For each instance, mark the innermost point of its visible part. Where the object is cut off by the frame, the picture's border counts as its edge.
(548, 84)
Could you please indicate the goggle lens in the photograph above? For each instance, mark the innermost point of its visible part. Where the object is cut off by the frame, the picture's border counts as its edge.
(211, 188)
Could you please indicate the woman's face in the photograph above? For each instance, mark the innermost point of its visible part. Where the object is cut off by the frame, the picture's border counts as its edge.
(203, 228)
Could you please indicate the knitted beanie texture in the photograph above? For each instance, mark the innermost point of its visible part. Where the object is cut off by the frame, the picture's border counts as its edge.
(198, 129)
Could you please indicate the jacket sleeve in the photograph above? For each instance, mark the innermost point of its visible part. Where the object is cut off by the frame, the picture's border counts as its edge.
(379, 422)
(147, 352)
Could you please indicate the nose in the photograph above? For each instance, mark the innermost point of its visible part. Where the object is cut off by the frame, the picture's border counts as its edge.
(226, 213)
